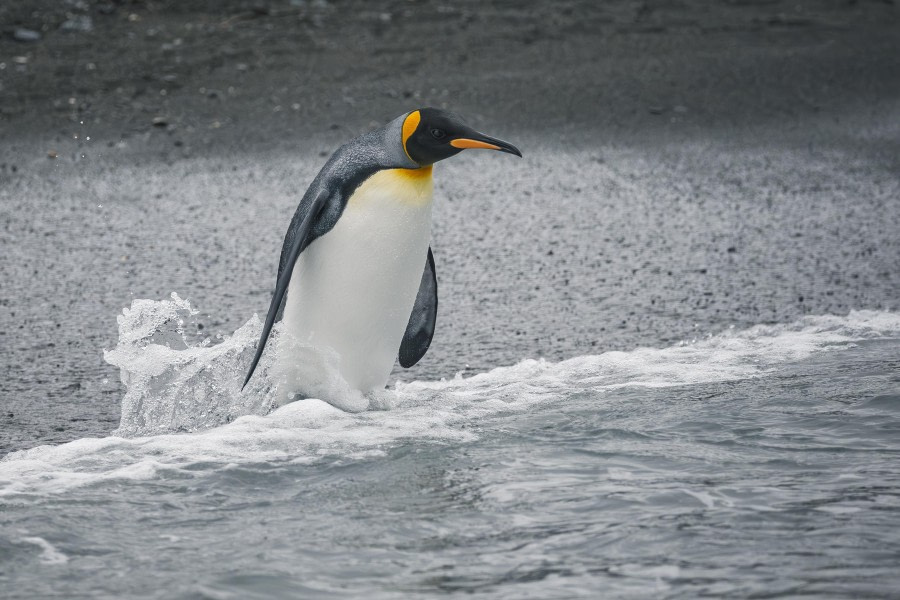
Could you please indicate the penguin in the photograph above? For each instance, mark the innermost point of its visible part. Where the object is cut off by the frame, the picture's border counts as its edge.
(357, 274)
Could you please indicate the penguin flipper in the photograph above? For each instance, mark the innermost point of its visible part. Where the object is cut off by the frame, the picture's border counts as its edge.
(300, 235)
(420, 328)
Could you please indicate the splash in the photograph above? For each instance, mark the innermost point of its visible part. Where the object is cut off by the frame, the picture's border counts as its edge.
(174, 384)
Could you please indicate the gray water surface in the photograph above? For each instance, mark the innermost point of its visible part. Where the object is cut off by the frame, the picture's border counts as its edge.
(758, 462)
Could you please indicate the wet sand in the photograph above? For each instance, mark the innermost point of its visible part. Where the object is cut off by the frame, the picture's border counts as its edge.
(686, 169)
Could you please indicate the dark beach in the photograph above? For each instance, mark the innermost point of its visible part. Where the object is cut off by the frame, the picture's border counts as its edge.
(687, 168)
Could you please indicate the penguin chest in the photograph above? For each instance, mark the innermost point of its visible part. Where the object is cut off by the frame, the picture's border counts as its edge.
(352, 290)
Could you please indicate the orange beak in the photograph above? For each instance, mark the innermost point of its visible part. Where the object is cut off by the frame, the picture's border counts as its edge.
(479, 140)
(466, 143)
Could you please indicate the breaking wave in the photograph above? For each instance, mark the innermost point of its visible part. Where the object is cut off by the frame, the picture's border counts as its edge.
(183, 406)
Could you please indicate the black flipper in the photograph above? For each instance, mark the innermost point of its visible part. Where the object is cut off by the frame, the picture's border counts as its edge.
(420, 328)
(300, 236)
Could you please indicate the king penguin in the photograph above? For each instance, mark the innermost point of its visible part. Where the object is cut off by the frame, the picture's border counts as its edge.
(350, 278)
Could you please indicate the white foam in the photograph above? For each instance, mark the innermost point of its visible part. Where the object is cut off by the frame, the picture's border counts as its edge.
(49, 554)
(307, 430)
(174, 385)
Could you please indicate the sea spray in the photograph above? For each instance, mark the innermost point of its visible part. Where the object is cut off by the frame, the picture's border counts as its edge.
(177, 384)
(174, 384)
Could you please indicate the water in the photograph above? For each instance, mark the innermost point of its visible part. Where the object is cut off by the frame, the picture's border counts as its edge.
(756, 462)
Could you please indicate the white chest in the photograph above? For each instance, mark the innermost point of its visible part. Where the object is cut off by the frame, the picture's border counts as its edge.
(353, 289)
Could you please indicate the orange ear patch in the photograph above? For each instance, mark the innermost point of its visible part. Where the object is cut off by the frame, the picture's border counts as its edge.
(409, 127)
(467, 143)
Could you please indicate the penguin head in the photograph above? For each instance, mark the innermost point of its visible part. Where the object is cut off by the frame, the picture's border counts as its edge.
(432, 134)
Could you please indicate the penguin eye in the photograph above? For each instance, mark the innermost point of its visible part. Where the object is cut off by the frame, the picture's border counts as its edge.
(438, 134)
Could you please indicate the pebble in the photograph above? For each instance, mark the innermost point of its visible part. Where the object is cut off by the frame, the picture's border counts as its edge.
(20, 34)
(78, 24)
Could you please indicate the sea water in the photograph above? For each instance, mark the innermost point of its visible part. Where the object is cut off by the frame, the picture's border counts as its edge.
(763, 461)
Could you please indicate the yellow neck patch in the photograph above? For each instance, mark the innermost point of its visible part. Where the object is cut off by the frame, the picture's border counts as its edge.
(409, 127)
(401, 186)
(413, 174)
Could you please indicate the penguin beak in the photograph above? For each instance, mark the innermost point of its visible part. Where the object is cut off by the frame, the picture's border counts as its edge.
(479, 140)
